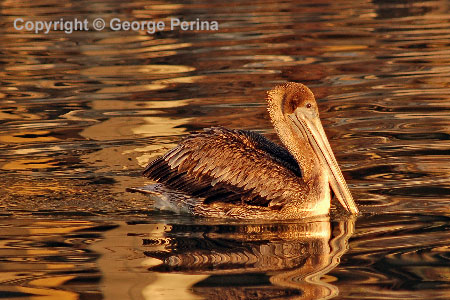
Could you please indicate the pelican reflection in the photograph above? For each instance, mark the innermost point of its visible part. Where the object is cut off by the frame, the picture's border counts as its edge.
(281, 260)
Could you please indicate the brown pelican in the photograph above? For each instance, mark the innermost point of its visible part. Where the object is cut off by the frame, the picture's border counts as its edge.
(241, 174)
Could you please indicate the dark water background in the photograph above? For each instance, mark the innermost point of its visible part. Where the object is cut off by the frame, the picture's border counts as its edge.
(82, 113)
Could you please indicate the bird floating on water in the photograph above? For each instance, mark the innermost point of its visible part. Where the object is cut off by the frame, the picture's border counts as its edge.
(240, 174)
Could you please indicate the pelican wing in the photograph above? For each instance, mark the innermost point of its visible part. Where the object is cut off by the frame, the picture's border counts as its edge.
(234, 166)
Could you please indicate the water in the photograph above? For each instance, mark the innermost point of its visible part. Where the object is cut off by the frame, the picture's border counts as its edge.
(82, 113)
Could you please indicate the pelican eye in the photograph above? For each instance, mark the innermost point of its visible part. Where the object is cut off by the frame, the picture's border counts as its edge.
(308, 105)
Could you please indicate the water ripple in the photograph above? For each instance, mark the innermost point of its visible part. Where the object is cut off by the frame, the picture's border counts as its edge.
(81, 114)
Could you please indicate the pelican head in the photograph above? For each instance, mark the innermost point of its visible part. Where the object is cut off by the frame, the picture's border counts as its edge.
(295, 116)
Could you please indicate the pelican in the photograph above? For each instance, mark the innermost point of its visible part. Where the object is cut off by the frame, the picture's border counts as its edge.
(239, 174)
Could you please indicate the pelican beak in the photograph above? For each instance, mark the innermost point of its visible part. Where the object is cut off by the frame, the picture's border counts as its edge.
(308, 122)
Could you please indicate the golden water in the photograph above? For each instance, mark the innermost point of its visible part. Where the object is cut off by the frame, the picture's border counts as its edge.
(82, 113)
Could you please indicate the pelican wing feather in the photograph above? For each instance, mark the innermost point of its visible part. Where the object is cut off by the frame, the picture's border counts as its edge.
(234, 166)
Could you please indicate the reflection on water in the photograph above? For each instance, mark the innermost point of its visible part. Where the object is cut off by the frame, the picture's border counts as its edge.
(81, 114)
(270, 260)
(385, 257)
(49, 259)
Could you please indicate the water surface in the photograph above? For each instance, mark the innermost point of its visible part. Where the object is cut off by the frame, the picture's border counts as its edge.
(82, 113)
